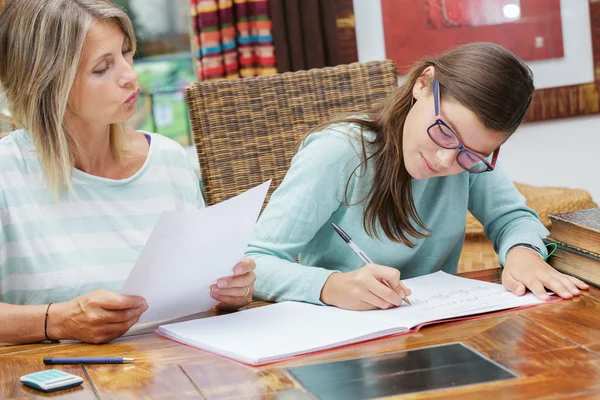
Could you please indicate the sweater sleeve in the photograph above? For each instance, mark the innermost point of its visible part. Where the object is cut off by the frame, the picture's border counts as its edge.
(312, 190)
(497, 204)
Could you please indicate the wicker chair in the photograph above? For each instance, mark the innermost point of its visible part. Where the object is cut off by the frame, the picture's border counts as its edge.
(478, 252)
(246, 130)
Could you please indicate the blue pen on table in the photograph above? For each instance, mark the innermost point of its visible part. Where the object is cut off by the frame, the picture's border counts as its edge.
(359, 252)
(87, 360)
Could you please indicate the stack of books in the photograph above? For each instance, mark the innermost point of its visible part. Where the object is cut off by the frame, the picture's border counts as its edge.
(577, 238)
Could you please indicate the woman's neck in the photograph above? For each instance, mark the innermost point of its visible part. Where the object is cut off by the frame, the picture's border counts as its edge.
(91, 146)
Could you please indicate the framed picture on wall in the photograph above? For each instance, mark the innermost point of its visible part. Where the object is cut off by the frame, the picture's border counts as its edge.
(558, 39)
(531, 29)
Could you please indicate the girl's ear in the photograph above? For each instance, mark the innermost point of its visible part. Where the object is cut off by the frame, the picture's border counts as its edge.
(421, 86)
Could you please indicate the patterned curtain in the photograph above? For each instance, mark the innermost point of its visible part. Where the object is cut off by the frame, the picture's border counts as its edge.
(232, 38)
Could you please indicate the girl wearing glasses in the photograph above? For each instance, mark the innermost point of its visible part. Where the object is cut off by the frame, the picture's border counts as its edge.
(399, 180)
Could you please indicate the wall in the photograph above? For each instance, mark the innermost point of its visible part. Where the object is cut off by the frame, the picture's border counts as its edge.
(563, 153)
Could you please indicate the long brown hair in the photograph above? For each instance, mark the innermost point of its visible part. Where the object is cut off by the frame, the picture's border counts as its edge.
(484, 77)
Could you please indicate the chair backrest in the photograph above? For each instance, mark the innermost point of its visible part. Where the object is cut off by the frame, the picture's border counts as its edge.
(246, 130)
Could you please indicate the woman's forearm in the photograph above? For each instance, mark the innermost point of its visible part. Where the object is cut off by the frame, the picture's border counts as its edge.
(22, 324)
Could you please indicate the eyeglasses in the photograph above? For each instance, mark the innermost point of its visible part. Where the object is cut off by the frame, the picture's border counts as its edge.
(444, 136)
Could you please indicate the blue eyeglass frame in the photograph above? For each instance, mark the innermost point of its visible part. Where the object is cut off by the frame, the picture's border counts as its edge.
(460, 146)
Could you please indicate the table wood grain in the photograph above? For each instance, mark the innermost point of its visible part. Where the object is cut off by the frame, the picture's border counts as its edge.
(555, 348)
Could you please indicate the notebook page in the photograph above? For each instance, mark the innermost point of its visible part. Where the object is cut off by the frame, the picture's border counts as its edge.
(283, 330)
(442, 296)
(277, 331)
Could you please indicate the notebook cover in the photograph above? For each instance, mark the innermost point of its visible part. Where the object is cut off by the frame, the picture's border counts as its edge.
(368, 341)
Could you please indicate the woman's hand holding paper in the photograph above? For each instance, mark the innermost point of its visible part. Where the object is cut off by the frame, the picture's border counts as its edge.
(234, 292)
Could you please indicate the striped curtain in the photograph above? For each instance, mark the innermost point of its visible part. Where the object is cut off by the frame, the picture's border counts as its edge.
(232, 38)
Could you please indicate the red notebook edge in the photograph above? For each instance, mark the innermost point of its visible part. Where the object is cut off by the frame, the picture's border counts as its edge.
(361, 343)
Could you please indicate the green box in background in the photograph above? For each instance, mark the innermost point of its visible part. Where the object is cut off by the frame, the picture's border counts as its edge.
(162, 107)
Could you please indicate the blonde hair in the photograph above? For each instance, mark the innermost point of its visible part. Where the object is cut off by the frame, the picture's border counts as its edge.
(41, 42)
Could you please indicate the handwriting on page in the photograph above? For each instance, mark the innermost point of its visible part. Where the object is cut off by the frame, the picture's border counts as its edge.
(461, 297)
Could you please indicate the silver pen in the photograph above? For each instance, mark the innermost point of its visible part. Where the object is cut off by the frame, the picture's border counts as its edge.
(359, 252)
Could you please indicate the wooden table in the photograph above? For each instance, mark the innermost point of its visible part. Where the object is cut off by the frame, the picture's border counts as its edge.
(555, 348)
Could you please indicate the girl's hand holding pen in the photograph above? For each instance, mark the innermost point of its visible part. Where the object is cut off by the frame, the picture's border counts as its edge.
(364, 289)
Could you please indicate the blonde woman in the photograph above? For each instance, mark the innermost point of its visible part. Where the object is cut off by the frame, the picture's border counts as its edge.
(80, 194)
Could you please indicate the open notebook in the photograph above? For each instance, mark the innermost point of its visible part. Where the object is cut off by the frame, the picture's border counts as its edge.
(283, 330)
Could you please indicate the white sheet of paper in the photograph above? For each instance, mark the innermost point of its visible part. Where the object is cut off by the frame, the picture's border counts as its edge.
(440, 296)
(190, 250)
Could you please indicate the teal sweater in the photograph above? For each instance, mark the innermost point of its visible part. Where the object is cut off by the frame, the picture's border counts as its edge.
(296, 224)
